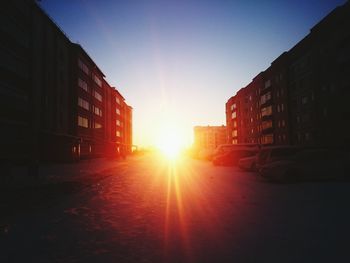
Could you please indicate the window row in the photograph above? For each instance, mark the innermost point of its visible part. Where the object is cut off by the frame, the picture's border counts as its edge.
(85, 123)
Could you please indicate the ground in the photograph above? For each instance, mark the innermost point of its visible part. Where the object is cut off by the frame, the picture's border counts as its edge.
(150, 210)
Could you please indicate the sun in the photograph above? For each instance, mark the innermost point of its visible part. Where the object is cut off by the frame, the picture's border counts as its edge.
(170, 142)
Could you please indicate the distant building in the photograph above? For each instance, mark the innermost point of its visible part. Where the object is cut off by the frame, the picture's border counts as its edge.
(209, 137)
(55, 103)
(302, 97)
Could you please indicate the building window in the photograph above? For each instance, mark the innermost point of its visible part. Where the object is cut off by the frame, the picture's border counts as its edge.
(97, 80)
(234, 141)
(117, 111)
(267, 84)
(283, 123)
(97, 125)
(267, 139)
(266, 125)
(118, 123)
(267, 111)
(97, 95)
(284, 137)
(282, 107)
(264, 98)
(234, 133)
(84, 104)
(304, 100)
(83, 67)
(82, 84)
(83, 122)
(233, 106)
(97, 111)
(118, 134)
(117, 100)
(234, 115)
(234, 124)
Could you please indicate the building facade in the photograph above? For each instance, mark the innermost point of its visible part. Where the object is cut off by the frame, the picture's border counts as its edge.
(301, 98)
(209, 137)
(55, 101)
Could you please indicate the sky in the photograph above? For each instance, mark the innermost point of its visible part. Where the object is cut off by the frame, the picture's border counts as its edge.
(178, 62)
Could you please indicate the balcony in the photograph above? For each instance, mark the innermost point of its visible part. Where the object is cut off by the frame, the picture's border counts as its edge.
(266, 103)
(267, 117)
(265, 90)
(267, 130)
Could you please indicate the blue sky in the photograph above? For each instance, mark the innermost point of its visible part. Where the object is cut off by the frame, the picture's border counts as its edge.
(180, 61)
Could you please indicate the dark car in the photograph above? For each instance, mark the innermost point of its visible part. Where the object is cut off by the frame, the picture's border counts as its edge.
(232, 157)
(275, 153)
(308, 165)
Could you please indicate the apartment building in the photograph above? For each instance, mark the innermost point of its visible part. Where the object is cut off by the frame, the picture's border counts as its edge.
(302, 96)
(55, 101)
(15, 86)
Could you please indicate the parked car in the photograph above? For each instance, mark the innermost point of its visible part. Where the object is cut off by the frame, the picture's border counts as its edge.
(308, 165)
(232, 157)
(248, 163)
(275, 153)
(225, 148)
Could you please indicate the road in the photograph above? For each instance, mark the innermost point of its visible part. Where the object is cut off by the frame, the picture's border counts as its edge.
(153, 210)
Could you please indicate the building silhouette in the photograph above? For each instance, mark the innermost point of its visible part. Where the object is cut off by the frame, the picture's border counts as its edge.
(55, 103)
(301, 99)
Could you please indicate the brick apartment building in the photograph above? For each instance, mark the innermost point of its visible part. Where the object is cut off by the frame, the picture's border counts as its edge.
(209, 137)
(301, 98)
(55, 102)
